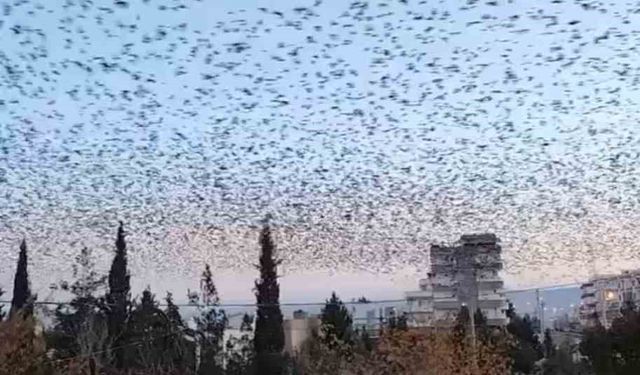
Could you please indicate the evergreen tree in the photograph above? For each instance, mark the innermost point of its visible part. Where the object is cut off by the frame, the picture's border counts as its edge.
(208, 288)
(173, 312)
(240, 358)
(80, 326)
(2, 313)
(483, 331)
(22, 299)
(150, 328)
(365, 339)
(118, 298)
(625, 340)
(398, 322)
(211, 325)
(527, 349)
(549, 347)
(269, 335)
(463, 321)
(561, 363)
(596, 346)
(336, 322)
(180, 352)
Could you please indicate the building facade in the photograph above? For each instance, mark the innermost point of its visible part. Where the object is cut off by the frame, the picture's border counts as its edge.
(465, 274)
(298, 330)
(603, 296)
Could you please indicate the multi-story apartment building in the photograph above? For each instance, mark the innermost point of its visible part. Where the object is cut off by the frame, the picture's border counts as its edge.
(604, 295)
(463, 274)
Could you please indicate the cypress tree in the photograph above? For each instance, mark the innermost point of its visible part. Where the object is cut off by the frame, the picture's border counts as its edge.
(173, 312)
(269, 336)
(118, 297)
(1, 306)
(22, 299)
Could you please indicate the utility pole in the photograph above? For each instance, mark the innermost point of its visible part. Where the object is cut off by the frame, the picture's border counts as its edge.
(542, 317)
(540, 311)
(537, 312)
(473, 328)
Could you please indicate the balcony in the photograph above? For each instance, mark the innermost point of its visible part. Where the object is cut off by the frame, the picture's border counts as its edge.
(446, 304)
(441, 288)
(479, 239)
(442, 267)
(487, 261)
(489, 278)
(493, 303)
(418, 295)
(490, 296)
(445, 259)
(496, 265)
(488, 284)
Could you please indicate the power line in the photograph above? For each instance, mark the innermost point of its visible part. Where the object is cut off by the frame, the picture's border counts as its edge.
(250, 304)
(88, 355)
(221, 305)
(558, 286)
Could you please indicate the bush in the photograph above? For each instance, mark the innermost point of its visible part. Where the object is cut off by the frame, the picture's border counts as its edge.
(409, 352)
(22, 351)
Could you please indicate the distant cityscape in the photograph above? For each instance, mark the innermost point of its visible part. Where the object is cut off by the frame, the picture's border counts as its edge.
(467, 273)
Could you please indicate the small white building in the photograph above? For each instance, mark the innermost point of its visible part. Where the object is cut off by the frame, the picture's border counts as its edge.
(297, 331)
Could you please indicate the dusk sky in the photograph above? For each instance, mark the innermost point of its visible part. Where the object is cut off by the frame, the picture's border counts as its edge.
(367, 130)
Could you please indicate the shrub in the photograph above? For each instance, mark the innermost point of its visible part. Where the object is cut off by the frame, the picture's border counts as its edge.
(22, 350)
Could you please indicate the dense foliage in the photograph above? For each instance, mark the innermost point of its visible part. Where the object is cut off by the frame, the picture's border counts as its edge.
(615, 350)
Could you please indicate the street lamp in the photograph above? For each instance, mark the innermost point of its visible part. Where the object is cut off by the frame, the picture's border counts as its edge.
(609, 295)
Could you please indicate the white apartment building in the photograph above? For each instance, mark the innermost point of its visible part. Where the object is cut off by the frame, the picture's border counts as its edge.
(604, 295)
(463, 274)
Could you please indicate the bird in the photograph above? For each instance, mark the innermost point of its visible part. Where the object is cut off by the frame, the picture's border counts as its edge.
(358, 125)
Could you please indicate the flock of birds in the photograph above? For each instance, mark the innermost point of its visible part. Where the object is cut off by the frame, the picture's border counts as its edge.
(366, 129)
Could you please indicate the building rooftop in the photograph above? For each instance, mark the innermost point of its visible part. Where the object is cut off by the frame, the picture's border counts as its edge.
(480, 238)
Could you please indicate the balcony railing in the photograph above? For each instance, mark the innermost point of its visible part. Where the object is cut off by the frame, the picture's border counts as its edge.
(491, 303)
(484, 284)
(447, 304)
(418, 294)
